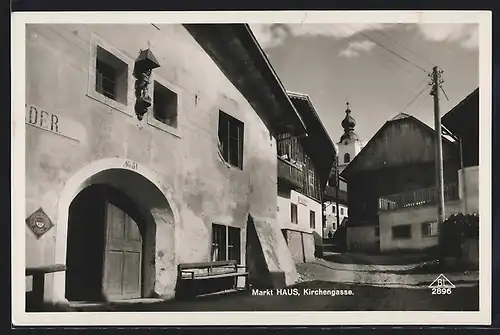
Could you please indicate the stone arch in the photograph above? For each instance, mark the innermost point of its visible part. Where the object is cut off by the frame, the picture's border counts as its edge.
(142, 186)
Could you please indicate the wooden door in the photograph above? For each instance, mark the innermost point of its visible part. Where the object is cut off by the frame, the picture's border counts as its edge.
(122, 255)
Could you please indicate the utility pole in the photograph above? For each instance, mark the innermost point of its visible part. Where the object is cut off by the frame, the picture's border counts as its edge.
(436, 84)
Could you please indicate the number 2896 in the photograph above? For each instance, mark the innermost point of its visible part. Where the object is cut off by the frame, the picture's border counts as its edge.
(441, 290)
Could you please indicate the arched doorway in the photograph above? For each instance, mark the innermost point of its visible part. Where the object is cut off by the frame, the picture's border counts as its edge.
(105, 255)
(148, 205)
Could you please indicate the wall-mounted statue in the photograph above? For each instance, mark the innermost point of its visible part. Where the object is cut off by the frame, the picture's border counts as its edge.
(143, 67)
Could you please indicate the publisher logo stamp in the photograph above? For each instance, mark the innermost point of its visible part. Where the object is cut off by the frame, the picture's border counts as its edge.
(441, 285)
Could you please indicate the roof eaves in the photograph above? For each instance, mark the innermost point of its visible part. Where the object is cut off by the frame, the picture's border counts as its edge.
(461, 103)
(345, 172)
(307, 98)
(274, 74)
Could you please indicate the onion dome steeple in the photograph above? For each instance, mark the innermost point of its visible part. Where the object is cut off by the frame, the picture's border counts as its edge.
(348, 123)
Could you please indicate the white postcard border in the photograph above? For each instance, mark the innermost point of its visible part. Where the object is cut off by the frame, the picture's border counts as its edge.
(21, 318)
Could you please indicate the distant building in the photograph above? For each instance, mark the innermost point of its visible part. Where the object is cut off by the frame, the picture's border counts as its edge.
(304, 165)
(391, 185)
(392, 182)
(348, 147)
(332, 201)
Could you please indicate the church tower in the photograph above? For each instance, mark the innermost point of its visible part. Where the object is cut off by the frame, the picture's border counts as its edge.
(349, 145)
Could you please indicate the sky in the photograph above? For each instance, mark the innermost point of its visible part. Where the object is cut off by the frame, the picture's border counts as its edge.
(380, 69)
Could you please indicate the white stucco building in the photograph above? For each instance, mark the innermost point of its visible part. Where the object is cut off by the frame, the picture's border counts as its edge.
(194, 180)
(304, 165)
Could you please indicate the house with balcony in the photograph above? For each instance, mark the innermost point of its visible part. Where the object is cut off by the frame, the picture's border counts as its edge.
(304, 165)
(392, 188)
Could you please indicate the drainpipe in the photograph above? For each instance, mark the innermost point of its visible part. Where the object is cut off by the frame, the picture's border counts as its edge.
(464, 187)
(337, 182)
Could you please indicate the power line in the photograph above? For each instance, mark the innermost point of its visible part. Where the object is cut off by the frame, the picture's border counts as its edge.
(389, 50)
(419, 103)
(399, 56)
(405, 47)
(424, 80)
(382, 55)
(397, 64)
(420, 84)
(413, 100)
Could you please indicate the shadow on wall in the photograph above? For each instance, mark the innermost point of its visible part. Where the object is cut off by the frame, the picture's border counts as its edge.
(318, 245)
(259, 274)
(363, 246)
(340, 237)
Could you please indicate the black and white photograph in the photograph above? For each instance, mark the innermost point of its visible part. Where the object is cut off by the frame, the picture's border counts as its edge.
(300, 165)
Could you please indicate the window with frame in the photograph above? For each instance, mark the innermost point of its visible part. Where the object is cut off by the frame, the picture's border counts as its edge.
(341, 211)
(312, 219)
(333, 209)
(293, 213)
(401, 232)
(287, 150)
(347, 158)
(311, 177)
(111, 74)
(429, 229)
(231, 139)
(226, 243)
(165, 105)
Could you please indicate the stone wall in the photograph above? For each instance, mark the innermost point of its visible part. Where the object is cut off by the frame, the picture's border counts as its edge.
(303, 240)
(362, 239)
(471, 187)
(301, 244)
(470, 253)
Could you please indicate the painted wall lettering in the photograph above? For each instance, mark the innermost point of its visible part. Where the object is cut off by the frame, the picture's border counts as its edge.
(43, 119)
(54, 123)
(130, 165)
(302, 201)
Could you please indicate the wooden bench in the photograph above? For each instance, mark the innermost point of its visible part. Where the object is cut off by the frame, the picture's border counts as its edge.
(195, 278)
(38, 287)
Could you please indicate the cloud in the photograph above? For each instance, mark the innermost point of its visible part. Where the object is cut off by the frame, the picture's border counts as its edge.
(467, 35)
(271, 35)
(354, 48)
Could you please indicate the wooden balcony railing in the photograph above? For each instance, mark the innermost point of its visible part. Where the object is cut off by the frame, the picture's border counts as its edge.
(415, 198)
(331, 194)
(289, 174)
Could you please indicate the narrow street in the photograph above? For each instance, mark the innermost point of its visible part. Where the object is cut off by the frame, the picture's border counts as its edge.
(403, 271)
(374, 287)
